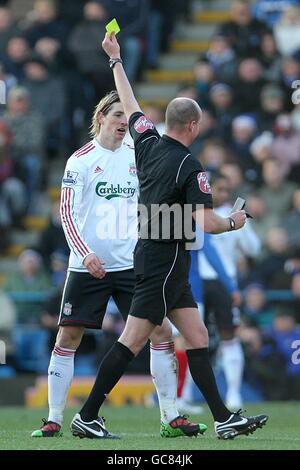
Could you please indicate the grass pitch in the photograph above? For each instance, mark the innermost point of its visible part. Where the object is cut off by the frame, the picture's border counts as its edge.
(139, 429)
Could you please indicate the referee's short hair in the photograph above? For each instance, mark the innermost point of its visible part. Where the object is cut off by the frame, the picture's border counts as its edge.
(180, 112)
(104, 106)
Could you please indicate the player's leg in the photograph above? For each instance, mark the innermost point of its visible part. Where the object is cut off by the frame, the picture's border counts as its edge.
(115, 362)
(227, 425)
(232, 356)
(163, 363)
(83, 305)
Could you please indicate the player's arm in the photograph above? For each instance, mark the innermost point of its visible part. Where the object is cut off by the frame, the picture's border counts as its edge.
(71, 199)
(128, 100)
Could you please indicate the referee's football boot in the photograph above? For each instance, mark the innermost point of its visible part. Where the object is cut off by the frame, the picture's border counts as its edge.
(49, 429)
(237, 425)
(92, 430)
(181, 426)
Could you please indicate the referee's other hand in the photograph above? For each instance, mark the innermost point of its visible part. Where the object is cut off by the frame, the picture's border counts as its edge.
(239, 218)
(94, 266)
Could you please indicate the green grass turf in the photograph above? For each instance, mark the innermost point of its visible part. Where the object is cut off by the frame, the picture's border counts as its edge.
(139, 429)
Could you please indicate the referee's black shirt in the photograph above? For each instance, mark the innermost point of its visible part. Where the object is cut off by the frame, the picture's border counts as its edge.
(168, 174)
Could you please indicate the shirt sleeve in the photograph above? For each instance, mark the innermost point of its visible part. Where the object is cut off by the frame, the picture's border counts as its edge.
(71, 196)
(142, 130)
(193, 182)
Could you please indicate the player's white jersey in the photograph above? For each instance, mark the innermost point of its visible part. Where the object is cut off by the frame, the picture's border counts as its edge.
(229, 246)
(99, 206)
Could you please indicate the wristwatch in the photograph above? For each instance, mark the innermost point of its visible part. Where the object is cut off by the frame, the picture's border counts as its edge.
(113, 62)
(232, 224)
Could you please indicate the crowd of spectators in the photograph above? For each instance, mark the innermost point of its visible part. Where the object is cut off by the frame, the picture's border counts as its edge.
(246, 84)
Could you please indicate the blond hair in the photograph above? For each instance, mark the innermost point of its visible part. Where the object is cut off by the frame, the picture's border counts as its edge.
(104, 106)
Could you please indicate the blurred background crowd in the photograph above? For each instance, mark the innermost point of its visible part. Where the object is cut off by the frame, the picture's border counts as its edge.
(244, 78)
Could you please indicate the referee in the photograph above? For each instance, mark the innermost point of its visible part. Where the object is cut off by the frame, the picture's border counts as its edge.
(169, 179)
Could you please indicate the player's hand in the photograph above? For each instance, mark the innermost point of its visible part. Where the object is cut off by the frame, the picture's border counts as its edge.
(111, 46)
(236, 298)
(94, 266)
(239, 218)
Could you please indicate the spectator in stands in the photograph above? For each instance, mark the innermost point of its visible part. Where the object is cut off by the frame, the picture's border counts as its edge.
(295, 286)
(222, 58)
(58, 266)
(261, 147)
(12, 191)
(53, 239)
(243, 30)
(46, 24)
(70, 12)
(9, 80)
(269, 11)
(8, 28)
(28, 286)
(292, 221)
(160, 25)
(270, 271)
(285, 338)
(272, 102)
(214, 154)
(286, 144)
(263, 221)
(48, 98)
(256, 310)
(204, 76)
(17, 52)
(27, 152)
(223, 107)
(269, 57)
(84, 44)
(287, 31)
(236, 181)
(133, 17)
(249, 85)
(208, 130)
(290, 72)
(243, 131)
(276, 192)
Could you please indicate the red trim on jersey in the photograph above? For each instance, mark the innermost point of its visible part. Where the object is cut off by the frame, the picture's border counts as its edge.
(87, 150)
(69, 223)
(83, 148)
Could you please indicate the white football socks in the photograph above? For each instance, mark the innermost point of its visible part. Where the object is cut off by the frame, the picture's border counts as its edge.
(60, 374)
(163, 365)
(233, 367)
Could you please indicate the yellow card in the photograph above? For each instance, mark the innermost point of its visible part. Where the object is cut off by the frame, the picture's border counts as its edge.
(113, 27)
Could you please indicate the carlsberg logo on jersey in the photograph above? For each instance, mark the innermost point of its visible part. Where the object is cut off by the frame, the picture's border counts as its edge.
(109, 191)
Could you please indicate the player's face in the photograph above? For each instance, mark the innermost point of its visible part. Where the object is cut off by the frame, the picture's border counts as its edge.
(114, 123)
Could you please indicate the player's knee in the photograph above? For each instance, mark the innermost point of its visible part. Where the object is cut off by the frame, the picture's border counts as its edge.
(162, 334)
(69, 337)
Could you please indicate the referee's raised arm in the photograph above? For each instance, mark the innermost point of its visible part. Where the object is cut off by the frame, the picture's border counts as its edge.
(128, 100)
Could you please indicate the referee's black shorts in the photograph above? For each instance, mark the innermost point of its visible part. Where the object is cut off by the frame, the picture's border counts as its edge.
(162, 271)
(85, 298)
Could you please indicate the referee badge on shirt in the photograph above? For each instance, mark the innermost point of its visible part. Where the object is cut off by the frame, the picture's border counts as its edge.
(203, 183)
(143, 124)
(67, 309)
(70, 177)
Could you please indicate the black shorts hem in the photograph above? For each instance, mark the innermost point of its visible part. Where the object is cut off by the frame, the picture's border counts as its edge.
(84, 323)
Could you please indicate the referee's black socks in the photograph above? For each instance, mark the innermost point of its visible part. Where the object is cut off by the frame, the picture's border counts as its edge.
(110, 371)
(204, 378)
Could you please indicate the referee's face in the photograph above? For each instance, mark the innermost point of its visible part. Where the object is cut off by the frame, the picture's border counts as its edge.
(114, 123)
